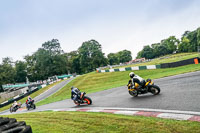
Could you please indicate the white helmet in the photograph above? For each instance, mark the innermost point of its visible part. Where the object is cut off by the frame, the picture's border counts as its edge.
(132, 74)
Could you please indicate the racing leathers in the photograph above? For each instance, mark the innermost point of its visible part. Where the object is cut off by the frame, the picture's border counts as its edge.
(15, 104)
(139, 80)
(29, 99)
(75, 94)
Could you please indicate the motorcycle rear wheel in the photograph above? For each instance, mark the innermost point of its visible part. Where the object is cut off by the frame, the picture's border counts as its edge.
(11, 109)
(155, 90)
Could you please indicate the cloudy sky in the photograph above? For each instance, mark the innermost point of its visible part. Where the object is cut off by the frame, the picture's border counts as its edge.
(115, 24)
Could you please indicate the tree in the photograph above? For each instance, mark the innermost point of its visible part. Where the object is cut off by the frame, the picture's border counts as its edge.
(76, 67)
(91, 56)
(139, 54)
(44, 64)
(53, 47)
(198, 37)
(124, 56)
(21, 72)
(170, 44)
(184, 45)
(193, 41)
(46, 61)
(31, 67)
(147, 52)
(69, 57)
(7, 71)
(119, 57)
(59, 65)
(156, 49)
(113, 59)
(72, 59)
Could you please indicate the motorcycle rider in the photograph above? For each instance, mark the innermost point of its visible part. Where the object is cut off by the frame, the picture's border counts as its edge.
(15, 104)
(136, 79)
(75, 94)
(29, 99)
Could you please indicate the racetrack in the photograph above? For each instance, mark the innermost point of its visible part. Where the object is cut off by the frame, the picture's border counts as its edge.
(52, 90)
(180, 92)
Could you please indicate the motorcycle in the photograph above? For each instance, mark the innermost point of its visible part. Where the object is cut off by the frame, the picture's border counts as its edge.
(30, 105)
(148, 87)
(83, 99)
(15, 108)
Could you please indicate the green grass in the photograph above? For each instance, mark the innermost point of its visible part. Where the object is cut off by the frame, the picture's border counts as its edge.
(94, 82)
(23, 100)
(166, 59)
(83, 122)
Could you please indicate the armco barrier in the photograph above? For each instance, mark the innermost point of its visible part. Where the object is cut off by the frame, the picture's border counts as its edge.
(195, 60)
(181, 63)
(131, 68)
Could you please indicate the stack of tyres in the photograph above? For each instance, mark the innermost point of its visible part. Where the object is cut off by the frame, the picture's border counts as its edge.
(10, 125)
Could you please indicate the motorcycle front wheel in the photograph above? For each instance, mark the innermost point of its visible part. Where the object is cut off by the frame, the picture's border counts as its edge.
(34, 107)
(133, 93)
(155, 90)
(87, 100)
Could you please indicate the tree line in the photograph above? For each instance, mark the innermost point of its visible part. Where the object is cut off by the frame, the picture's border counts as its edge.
(50, 60)
(188, 43)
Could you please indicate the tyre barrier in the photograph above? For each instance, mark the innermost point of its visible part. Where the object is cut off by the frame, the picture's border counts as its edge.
(10, 125)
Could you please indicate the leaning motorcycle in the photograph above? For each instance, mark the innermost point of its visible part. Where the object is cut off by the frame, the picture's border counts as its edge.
(83, 99)
(14, 109)
(149, 87)
(30, 105)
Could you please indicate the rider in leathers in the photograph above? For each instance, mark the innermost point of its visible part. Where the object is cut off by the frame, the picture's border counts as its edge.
(136, 79)
(15, 104)
(28, 101)
(75, 94)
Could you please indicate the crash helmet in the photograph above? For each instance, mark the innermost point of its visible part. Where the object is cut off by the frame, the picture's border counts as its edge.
(72, 87)
(131, 74)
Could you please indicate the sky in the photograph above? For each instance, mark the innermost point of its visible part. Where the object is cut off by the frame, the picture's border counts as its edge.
(116, 24)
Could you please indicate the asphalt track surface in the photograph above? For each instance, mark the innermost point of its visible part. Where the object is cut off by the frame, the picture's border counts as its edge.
(180, 92)
(47, 93)
(52, 90)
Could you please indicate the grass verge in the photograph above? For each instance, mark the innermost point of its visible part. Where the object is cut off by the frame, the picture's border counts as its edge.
(94, 82)
(33, 95)
(78, 122)
(166, 59)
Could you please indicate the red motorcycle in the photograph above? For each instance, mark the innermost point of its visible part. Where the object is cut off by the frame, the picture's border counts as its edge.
(83, 99)
(30, 104)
